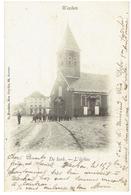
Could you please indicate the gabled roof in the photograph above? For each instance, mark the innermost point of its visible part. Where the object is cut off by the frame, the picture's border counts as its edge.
(91, 83)
(69, 41)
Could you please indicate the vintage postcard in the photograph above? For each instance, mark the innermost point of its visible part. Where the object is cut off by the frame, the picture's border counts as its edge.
(66, 96)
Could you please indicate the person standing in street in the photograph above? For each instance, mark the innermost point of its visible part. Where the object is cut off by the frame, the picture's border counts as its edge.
(44, 115)
(19, 118)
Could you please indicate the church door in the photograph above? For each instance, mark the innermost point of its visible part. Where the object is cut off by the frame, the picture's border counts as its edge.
(59, 107)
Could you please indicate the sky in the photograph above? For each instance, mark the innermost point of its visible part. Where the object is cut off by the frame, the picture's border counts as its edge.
(34, 31)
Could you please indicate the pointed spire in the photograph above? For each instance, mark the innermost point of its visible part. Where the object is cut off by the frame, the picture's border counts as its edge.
(69, 41)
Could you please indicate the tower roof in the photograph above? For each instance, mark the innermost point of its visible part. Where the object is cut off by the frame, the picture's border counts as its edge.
(69, 41)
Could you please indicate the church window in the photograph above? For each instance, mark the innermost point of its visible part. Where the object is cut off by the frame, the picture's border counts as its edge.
(86, 101)
(97, 102)
(60, 91)
(83, 100)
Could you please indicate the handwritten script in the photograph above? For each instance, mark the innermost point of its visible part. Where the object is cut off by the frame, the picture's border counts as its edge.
(122, 90)
(37, 173)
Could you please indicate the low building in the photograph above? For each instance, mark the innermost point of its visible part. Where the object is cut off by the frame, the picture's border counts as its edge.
(36, 103)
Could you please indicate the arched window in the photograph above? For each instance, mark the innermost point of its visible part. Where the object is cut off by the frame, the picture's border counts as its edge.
(60, 91)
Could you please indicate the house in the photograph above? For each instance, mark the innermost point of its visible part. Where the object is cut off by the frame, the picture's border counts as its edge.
(35, 103)
(76, 93)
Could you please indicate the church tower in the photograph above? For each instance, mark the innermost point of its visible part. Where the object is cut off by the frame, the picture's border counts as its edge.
(69, 56)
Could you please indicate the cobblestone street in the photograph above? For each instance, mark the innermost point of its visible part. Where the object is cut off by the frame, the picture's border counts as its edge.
(78, 134)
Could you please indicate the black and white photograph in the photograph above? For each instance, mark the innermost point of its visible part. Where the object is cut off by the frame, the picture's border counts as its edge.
(66, 94)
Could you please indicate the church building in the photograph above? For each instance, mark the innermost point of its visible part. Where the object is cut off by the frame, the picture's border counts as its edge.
(76, 93)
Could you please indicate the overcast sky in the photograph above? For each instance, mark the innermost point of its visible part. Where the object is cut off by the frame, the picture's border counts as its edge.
(34, 31)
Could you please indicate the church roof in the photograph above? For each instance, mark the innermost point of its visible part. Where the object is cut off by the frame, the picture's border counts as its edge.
(69, 41)
(91, 83)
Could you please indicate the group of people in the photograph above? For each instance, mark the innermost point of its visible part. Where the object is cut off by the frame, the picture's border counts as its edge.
(45, 116)
(50, 116)
(38, 117)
